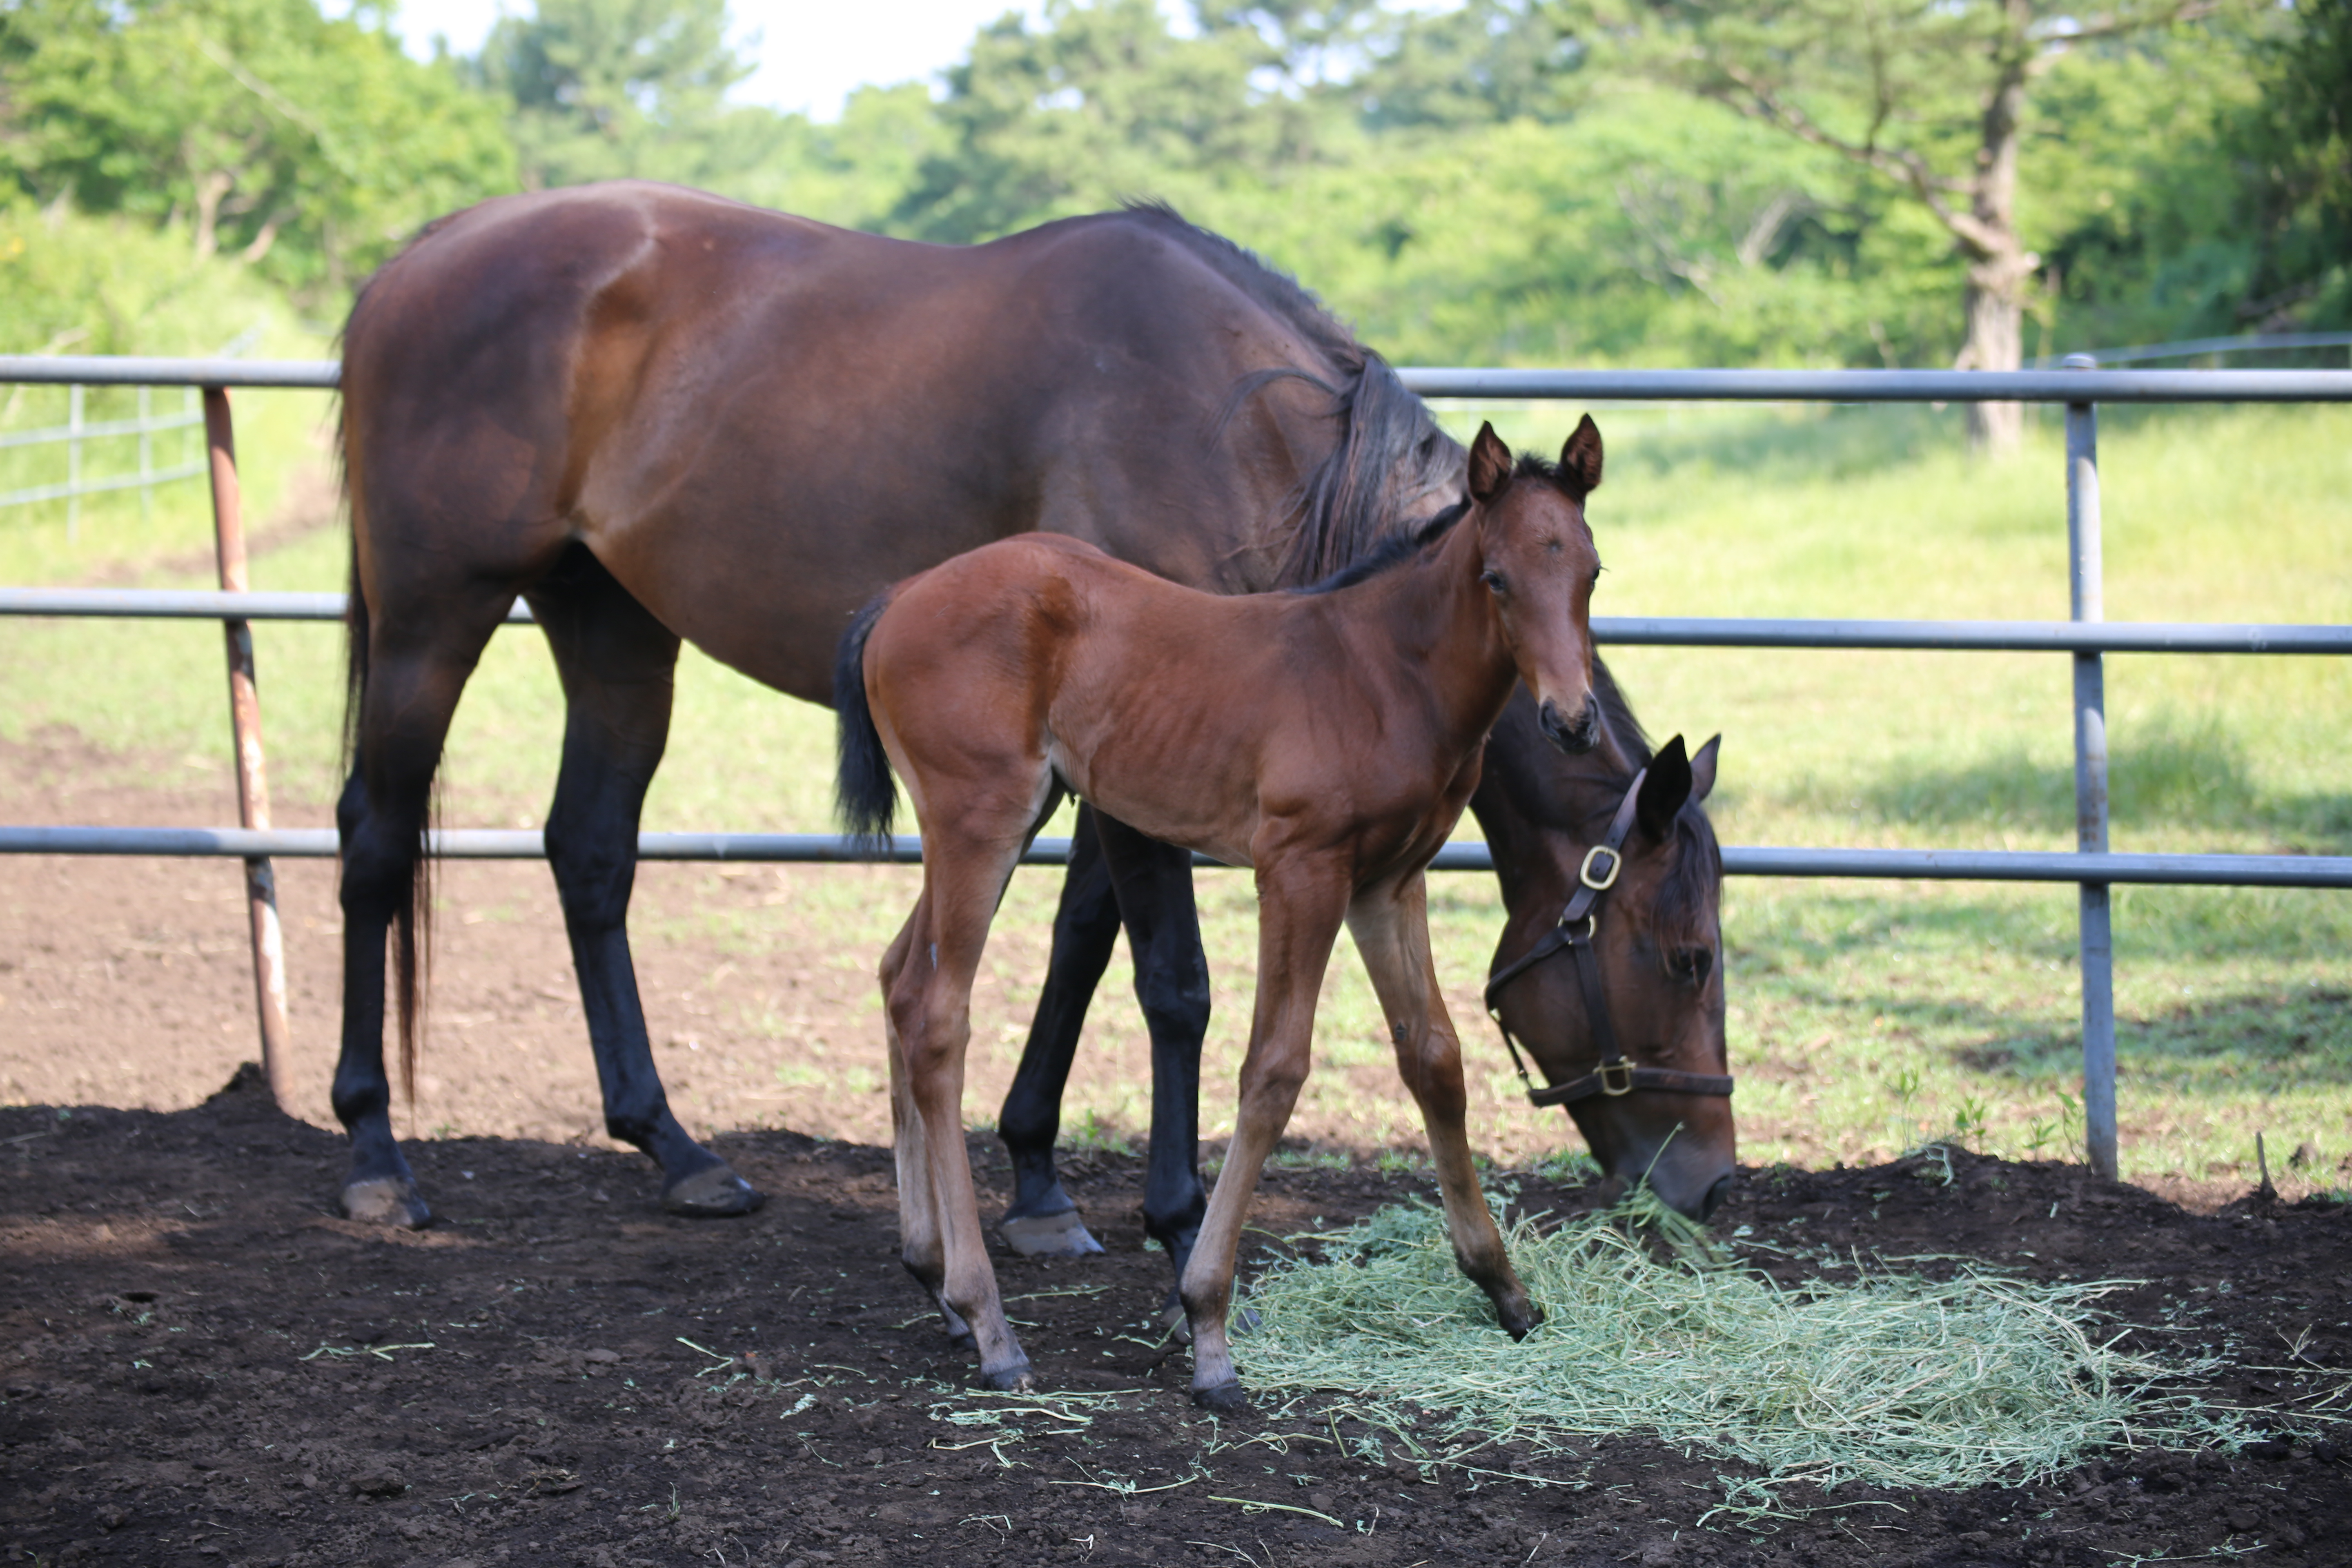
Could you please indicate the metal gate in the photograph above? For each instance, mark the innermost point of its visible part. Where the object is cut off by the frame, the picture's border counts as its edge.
(2084, 639)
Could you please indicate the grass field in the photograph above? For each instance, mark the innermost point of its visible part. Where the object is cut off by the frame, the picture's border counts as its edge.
(1865, 1017)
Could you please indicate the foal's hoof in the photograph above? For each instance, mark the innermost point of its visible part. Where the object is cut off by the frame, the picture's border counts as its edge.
(1063, 1234)
(1520, 1324)
(715, 1192)
(960, 1334)
(390, 1201)
(1223, 1398)
(1011, 1378)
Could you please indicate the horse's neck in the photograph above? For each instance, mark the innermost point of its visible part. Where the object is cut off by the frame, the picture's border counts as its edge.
(1439, 623)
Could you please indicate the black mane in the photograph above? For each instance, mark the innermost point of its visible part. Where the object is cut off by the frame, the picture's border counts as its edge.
(1345, 509)
(1390, 553)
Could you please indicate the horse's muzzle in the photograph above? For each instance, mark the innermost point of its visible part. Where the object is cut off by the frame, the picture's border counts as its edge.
(1576, 737)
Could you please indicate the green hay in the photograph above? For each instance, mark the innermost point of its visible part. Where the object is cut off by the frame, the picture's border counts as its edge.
(1889, 1378)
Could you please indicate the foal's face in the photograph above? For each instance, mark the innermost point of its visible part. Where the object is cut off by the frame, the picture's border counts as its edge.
(1541, 566)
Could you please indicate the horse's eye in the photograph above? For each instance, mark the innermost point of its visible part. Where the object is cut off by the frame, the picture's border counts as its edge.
(1493, 580)
(1694, 965)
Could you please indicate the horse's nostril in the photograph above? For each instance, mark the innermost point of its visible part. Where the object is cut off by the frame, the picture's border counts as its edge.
(1714, 1196)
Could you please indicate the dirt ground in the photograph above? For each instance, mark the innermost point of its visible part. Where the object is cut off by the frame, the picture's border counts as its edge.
(199, 1364)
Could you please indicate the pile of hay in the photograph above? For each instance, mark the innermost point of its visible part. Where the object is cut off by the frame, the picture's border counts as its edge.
(1883, 1377)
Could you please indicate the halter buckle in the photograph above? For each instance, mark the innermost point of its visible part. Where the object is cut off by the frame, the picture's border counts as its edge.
(1619, 1084)
(1600, 883)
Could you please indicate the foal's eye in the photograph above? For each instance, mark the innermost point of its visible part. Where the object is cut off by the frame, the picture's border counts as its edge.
(1493, 580)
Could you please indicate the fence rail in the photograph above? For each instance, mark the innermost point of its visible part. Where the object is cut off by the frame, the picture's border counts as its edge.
(2086, 638)
(77, 433)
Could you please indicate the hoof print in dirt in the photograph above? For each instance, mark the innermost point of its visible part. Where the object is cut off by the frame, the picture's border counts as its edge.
(1063, 1234)
(387, 1201)
(714, 1193)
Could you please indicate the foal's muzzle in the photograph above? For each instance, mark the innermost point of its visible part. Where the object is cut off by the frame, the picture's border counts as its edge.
(1576, 737)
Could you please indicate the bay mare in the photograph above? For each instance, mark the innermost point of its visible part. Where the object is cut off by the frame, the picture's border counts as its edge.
(1329, 740)
(656, 414)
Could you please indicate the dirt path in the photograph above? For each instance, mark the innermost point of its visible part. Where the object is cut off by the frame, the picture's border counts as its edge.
(203, 1366)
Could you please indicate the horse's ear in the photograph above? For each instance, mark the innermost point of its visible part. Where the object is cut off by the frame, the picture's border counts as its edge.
(1703, 768)
(1580, 459)
(1490, 465)
(1665, 788)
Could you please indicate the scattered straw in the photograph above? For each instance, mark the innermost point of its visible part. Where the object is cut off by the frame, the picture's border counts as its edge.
(1892, 1379)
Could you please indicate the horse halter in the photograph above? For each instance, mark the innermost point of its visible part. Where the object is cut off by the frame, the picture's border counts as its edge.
(1616, 1076)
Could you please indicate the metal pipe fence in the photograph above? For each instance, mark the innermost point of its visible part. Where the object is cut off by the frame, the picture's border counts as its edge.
(78, 432)
(2086, 638)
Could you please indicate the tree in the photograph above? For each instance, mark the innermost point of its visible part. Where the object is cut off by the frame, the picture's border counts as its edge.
(307, 147)
(1103, 102)
(2295, 147)
(612, 88)
(1929, 96)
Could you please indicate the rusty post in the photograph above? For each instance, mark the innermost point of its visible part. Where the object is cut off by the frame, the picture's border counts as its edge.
(244, 725)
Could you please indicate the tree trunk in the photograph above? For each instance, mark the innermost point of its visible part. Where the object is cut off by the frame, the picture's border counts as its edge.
(2000, 269)
(1996, 340)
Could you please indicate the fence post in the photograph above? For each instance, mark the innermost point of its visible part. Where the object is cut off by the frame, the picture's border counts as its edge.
(244, 725)
(73, 462)
(2087, 602)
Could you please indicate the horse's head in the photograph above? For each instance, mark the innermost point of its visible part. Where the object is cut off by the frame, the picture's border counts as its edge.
(1653, 970)
(1540, 565)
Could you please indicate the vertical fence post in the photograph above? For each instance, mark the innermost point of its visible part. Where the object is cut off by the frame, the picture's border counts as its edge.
(245, 724)
(2087, 602)
(73, 462)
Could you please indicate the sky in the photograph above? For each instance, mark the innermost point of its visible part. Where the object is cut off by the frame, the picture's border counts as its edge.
(810, 56)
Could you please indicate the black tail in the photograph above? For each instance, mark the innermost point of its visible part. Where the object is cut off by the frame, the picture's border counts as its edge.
(863, 789)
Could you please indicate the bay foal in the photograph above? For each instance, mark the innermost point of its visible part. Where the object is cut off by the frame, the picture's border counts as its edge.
(1327, 738)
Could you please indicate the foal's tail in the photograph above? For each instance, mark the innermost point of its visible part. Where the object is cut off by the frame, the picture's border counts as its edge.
(863, 789)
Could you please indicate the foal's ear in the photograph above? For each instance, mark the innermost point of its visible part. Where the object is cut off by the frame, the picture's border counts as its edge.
(1490, 465)
(1665, 790)
(1580, 459)
(1703, 768)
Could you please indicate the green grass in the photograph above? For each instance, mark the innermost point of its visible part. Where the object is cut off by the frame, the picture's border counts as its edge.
(1865, 1016)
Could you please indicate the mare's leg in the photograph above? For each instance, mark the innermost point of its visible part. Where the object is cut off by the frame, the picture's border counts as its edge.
(618, 664)
(1043, 1222)
(929, 1009)
(1299, 912)
(420, 650)
(1171, 982)
(1390, 925)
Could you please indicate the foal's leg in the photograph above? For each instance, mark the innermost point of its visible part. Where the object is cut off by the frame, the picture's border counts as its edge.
(929, 1008)
(922, 1247)
(421, 647)
(1172, 982)
(1390, 925)
(1299, 912)
(618, 664)
(1042, 1221)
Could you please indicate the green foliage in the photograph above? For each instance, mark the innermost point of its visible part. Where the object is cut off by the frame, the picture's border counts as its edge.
(1100, 102)
(306, 147)
(2294, 149)
(625, 88)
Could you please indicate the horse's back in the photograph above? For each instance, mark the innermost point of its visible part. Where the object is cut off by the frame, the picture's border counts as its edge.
(754, 420)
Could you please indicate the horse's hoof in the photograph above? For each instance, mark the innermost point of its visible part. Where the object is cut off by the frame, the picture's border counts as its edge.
(1173, 1320)
(960, 1334)
(1063, 1234)
(1225, 1398)
(390, 1201)
(1520, 1324)
(1013, 1378)
(715, 1192)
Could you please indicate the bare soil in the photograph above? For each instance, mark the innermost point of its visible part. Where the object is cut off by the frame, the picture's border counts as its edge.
(200, 1363)
(203, 1365)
